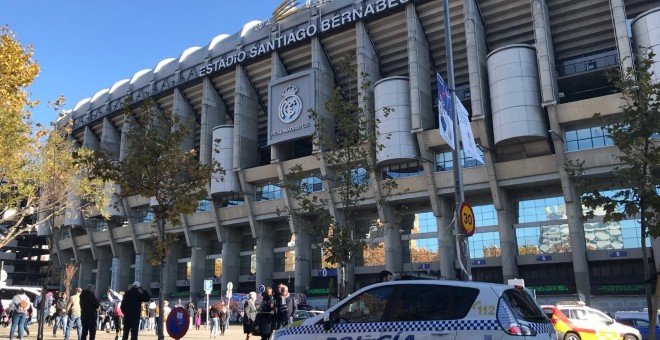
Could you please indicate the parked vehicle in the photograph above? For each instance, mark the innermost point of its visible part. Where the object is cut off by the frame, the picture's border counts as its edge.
(573, 320)
(429, 309)
(7, 293)
(639, 321)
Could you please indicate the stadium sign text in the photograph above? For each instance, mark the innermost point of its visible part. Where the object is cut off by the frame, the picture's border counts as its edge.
(338, 20)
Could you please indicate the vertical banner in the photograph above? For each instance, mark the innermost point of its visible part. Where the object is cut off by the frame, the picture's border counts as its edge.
(113, 273)
(444, 112)
(467, 137)
(138, 268)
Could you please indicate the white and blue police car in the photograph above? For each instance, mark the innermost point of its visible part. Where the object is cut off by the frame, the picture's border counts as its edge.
(428, 309)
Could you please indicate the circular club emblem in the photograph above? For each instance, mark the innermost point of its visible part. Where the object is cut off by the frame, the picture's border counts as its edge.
(467, 219)
(291, 106)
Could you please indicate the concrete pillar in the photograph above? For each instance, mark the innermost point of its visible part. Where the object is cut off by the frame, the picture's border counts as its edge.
(545, 53)
(578, 249)
(103, 270)
(143, 268)
(231, 250)
(508, 249)
(200, 243)
(110, 138)
(325, 84)
(548, 79)
(214, 112)
(187, 115)
(303, 261)
(446, 240)
(170, 270)
(122, 268)
(419, 65)
(277, 70)
(265, 258)
(619, 19)
(246, 108)
(477, 52)
(85, 265)
(393, 249)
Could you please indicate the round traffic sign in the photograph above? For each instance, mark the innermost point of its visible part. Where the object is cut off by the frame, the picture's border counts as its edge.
(467, 218)
(177, 322)
(261, 288)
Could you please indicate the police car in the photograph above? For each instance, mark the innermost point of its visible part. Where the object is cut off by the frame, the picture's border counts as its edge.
(428, 309)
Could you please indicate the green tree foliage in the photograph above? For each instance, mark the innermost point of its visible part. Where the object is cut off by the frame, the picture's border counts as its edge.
(160, 164)
(636, 133)
(347, 144)
(37, 170)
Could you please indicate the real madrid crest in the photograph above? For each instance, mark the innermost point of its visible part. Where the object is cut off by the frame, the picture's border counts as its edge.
(290, 106)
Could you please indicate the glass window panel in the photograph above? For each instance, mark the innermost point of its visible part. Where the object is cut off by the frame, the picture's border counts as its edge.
(570, 135)
(374, 254)
(426, 222)
(584, 134)
(544, 209)
(572, 146)
(485, 215)
(527, 240)
(584, 144)
(424, 250)
(485, 245)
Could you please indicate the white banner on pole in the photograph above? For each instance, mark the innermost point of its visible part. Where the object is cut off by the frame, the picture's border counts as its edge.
(444, 111)
(467, 137)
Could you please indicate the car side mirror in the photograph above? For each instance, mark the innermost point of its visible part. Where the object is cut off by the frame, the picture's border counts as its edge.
(327, 325)
(609, 322)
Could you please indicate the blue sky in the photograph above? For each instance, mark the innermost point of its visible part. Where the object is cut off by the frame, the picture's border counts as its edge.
(84, 46)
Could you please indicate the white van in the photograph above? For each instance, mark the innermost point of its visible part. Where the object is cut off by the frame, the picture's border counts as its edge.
(428, 309)
(7, 293)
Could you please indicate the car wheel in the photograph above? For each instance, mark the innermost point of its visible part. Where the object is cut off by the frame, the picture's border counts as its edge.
(571, 336)
(629, 337)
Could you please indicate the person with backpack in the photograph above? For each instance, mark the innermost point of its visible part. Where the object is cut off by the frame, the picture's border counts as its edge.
(19, 304)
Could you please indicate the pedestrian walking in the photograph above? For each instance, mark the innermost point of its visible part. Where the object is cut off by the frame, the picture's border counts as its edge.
(223, 317)
(61, 316)
(73, 308)
(286, 307)
(89, 306)
(117, 314)
(266, 318)
(249, 314)
(198, 318)
(20, 304)
(131, 307)
(214, 317)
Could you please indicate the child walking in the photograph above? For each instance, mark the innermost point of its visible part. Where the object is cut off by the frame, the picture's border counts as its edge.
(198, 318)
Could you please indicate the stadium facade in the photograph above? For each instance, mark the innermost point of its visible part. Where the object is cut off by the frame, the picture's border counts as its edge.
(531, 73)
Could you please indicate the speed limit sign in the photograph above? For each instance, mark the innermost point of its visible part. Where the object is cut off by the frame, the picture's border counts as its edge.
(467, 219)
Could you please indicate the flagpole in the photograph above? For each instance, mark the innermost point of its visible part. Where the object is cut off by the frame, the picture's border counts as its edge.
(462, 246)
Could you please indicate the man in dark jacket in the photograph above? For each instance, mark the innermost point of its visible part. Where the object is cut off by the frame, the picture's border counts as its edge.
(89, 304)
(131, 306)
(286, 307)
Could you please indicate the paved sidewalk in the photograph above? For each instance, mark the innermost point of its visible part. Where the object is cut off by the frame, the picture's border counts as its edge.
(235, 332)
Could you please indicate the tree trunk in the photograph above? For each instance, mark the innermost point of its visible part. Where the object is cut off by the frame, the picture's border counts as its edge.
(647, 269)
(160, 224)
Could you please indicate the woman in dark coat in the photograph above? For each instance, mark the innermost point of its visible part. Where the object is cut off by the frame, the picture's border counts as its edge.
(266, 317)
(89, 304)
(249, 314)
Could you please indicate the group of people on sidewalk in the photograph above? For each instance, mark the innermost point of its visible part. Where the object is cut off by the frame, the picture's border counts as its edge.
(276, 310)
(80, 312)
